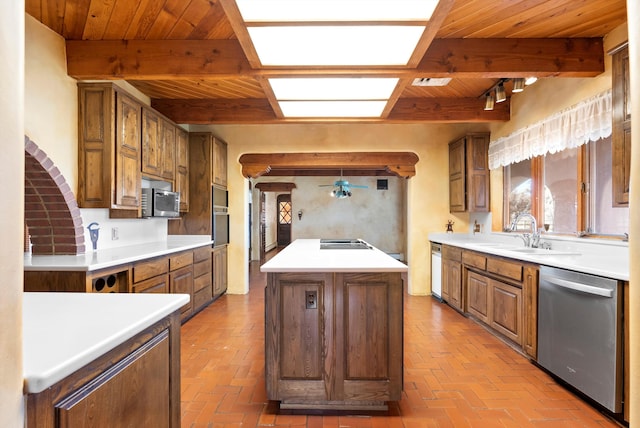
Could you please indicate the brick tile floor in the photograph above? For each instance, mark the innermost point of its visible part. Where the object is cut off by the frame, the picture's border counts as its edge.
(456, 375)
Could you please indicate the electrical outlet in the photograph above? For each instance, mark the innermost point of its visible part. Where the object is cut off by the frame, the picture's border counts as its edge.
(311, 299)
(114, 234)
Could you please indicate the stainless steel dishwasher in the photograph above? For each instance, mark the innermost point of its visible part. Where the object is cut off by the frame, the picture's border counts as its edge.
(580, 333)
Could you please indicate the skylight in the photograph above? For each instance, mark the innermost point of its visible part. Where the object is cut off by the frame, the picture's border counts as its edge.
(334, 33)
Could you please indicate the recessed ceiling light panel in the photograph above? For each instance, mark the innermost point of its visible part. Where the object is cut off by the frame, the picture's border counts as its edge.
(335, 45)
(333, 88)
(325, 109)
(335, 10)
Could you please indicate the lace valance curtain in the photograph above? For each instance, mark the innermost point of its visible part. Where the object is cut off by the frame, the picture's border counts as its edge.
(587, 121)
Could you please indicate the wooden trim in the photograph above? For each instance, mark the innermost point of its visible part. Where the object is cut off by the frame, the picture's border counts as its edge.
(275, 187)
(400, 163)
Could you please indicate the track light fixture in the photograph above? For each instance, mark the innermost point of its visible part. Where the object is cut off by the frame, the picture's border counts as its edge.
(518, 85)
(530, 80)
(501, 94)
(489, 101)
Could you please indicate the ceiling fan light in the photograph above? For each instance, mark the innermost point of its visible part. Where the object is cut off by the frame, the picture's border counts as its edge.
(518, 84)
(501, 95)
(489, 101)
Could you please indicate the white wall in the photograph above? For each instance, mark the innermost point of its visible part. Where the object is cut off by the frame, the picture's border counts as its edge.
(12, 217)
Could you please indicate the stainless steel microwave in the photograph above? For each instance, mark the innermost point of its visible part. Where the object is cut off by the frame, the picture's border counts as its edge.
(160, 203)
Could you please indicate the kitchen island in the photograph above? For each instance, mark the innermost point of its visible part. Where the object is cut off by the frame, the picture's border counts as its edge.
(333, 326)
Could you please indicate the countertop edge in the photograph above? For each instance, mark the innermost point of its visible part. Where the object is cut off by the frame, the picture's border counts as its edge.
(38, 381)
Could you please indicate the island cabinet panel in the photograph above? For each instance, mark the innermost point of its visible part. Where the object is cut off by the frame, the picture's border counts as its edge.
(333, 340)
(115, 395)
(136, 384)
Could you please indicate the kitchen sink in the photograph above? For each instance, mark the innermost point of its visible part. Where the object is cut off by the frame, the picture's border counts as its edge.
(344, 244)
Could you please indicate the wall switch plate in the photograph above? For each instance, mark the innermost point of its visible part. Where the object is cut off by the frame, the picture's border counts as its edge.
(114, 234)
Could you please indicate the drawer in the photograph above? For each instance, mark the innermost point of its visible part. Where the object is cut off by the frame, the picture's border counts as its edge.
(201, 298)
(452, 253)
(202, 254)
(507, 269)
(201, 268)
(180, 260)
(476, 260)
(149, 269)
(159, 284)
(201, 282)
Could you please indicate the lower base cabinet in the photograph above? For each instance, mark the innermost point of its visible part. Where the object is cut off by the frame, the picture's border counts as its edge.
(333, 340)
(137, 384)
(219, 266)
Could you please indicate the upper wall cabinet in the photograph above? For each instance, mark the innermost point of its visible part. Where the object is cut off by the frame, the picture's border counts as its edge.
(469, 174)
(182, 168)
(109, 137)
(621, 135)
(219, 162)
(158, 146)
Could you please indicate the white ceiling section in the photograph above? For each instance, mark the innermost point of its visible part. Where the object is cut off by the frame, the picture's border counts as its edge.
(334, 33)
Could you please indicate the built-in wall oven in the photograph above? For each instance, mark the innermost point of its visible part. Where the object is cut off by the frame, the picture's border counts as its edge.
(580, 333)
(220, 217)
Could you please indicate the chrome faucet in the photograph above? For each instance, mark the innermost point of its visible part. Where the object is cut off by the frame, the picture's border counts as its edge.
(531, 240)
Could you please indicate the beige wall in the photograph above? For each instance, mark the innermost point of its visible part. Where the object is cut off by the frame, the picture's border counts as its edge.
(427, 192)
(11, 220)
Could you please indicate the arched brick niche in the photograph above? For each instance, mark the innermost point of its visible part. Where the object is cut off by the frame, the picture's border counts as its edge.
(50, 209)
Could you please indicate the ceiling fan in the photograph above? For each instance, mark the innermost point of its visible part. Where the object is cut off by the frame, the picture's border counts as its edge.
(342, 188)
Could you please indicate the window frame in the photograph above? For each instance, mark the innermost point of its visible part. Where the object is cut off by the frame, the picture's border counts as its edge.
(537, 195)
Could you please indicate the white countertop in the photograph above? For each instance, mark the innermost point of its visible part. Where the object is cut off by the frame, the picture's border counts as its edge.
(101, 259)
(63, 332)
(305, 255)
(596, 257)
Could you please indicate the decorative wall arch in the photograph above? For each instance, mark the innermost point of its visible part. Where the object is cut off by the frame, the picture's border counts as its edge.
(51, 211)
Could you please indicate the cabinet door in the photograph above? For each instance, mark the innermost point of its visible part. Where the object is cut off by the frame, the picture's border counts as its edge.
(506, 313)
(133, 393)
(219, 163)
(621, 135)
(478, 296)
(368, 329)
(127, 142)
(158, 284)
(452, 282)
(182, 168)
(457, 185)
(478, 173)
(299, 335)
(151, 143)
(168, 150)
(219, 266)
(181, 282)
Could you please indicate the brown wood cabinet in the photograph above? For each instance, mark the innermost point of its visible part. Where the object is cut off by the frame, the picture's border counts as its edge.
(219, 265)
(151, 276)
(109, 147)
(151, 143)
(219, 162)
(452, 277)
(137, 384)
(202, 278)
(621, 132)
(502, 293)
(182, 168)
(333, 340)
(469, 174)
(110, 280)
(181, 279)
(168, 147)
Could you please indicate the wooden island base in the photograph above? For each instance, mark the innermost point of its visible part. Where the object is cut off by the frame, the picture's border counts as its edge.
(333, 341)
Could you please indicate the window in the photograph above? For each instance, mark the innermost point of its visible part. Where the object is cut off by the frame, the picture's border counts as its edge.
(284, 212)
(570, 191)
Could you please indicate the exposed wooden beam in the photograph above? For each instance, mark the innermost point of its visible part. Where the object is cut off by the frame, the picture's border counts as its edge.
(448, 110)
(211, 111)
(496, 58)
(210, 59)
(275, 186)
(401, 163)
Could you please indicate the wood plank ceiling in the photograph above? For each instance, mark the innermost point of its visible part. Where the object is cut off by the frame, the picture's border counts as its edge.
(189, 58)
